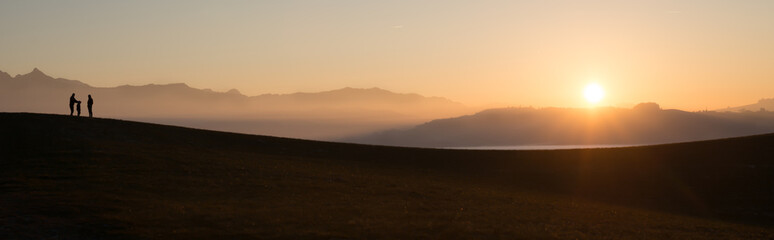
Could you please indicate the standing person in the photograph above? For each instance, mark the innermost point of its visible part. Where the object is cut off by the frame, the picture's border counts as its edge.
(72, 102)
(78, 107)
(89, 103)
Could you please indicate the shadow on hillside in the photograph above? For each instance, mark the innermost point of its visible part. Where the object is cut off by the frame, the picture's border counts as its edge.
(52, 204)
(730, 180)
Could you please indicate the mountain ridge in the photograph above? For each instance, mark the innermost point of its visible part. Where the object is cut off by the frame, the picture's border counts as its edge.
(36, 73)
(646, 123)
(764, 104)
(364, 110)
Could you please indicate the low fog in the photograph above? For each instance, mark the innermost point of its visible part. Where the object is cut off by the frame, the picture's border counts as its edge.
(322, 116)
(377, 116)
(646, 123)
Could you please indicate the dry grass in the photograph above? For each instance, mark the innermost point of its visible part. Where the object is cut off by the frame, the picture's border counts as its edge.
(75, 178)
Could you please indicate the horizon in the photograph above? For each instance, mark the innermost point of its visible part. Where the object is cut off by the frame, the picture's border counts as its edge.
(682, 55)
(384, 117)
(479, 107)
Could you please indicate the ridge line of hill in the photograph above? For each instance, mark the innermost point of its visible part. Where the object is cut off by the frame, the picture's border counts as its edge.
(109, 176)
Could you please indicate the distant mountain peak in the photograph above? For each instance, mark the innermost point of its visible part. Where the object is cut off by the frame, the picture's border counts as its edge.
(36, 73)
(766, 100)
(764, 104)
(4, 75)
(234, 91)
(647, 106)
(180, 85)
(351, 89)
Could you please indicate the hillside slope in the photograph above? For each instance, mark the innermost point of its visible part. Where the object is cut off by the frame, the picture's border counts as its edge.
(764, 104)
(69, 177)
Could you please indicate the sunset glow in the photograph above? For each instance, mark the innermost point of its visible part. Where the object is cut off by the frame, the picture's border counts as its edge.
(310, 119)
(680, 54)
(593, 93)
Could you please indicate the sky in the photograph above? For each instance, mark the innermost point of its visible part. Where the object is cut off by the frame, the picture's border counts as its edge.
(690, 55)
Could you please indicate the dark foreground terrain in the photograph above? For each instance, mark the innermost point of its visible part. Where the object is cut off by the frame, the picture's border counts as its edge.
(65, 177)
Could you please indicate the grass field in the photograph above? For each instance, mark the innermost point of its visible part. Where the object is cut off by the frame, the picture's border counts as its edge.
(65, 177)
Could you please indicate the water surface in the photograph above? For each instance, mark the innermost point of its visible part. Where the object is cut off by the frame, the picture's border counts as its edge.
(546, 147)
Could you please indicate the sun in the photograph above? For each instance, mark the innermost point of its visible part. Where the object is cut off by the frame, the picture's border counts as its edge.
(593, 93)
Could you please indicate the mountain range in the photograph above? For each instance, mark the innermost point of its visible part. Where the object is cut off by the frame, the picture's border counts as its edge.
(646, 123)
(378, 116)
(320, 115)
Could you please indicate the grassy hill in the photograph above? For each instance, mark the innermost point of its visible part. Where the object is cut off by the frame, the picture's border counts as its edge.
(66, 177)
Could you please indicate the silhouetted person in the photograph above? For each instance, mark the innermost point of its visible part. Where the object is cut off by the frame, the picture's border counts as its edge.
(89, 103)
(78, 107)
(72, 102)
